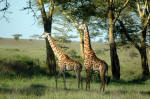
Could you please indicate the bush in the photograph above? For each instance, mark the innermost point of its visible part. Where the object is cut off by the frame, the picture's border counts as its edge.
(21, 66)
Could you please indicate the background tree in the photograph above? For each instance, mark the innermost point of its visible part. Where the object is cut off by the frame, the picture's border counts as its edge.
(46, 16)
(94, 14)
(138, 35)
(17, 36)
(108, 12)
(47, 22)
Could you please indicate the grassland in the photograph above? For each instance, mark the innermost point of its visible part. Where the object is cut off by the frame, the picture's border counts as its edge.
(23, 74)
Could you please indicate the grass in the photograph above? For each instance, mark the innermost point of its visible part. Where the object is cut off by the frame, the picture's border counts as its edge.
(23, 74)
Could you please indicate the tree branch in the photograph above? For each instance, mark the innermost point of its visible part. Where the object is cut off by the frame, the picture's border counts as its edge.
(6, 5)
(51, 9)
(145, 6)
(124, 30)
(118, 13)
(139, 9)
(43, 12)
(147, 20)
(29, 7)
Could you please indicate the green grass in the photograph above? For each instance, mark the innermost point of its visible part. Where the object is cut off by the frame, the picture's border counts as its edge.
(23, 74)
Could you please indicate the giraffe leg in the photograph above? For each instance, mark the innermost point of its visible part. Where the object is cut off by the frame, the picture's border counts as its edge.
(64, 80)
(81, 82)
(78, 77)
(88, 79)
(102, 88)
(60, 72)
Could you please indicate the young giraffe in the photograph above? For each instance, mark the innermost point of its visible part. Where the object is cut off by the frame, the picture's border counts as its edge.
(65, 63)
(91, 62)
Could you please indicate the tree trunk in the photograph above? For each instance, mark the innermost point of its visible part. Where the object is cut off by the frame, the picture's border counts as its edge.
(115, 65)
(142, 50)
(144, 61)
(47, 22)
(82, 45)
(50, 58)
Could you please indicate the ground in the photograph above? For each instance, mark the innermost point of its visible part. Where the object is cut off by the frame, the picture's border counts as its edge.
(23, 74)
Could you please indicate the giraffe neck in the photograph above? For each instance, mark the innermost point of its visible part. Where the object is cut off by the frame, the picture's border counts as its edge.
(57, 50)
(87, 42)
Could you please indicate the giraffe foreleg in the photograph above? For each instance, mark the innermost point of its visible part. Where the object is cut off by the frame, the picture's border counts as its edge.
(78, 77)
(64, 78)
(60, 72)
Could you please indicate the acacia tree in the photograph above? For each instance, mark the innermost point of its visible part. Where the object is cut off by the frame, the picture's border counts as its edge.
(140, 36)
(46, 16)
(112, 17)
(47, 22)
(109, 12)
(17, 36)
(85, 10)
(78, 12)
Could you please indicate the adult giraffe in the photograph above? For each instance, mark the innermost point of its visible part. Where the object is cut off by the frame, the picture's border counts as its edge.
(91, 62)
(65, 63)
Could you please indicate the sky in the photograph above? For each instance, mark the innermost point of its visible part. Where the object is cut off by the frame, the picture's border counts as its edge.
(20, 22)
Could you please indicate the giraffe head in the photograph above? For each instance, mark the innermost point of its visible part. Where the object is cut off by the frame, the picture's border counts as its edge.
(44, 35)
(81, 26)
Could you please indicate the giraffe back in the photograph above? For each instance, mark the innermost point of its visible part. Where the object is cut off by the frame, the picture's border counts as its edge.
(70, 64)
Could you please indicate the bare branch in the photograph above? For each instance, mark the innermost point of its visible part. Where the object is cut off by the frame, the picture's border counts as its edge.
(118, 13)
(29, 7)
(4, 10)
(6, 5)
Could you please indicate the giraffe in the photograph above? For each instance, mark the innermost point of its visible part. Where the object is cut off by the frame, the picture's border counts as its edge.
(65, 63)
(91, 62)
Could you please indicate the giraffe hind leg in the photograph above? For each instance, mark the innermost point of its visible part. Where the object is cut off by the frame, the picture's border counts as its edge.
(102, 88)
(88, 79)
(78, 77)
(81, 82)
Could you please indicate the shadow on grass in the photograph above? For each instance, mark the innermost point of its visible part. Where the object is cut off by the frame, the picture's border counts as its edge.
(34, 89)
(23, 66)
(138, 80)
(120, 92)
